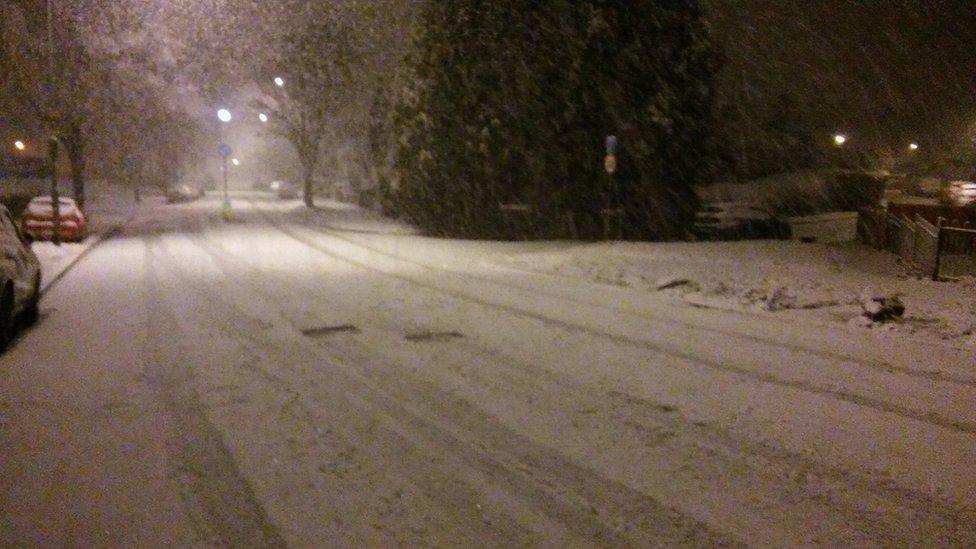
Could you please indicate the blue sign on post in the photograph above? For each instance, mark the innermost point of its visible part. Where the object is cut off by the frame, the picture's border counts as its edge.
(611, 144)
(224, 150)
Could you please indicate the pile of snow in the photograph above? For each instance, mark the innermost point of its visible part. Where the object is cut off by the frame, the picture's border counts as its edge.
(806, 282)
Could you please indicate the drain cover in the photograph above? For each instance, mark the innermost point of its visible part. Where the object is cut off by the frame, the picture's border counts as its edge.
(329, 330)
(432, 336)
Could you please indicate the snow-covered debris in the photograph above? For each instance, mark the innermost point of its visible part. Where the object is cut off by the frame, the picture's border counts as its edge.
(668, 283)
(780, 298)
(881, 307)
(803, 282)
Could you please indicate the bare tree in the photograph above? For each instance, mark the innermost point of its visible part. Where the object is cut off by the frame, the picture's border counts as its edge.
(305, 77)
(97, 83)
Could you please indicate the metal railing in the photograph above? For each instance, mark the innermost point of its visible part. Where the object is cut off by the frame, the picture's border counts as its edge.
(915, 241)
(955, 253)
(941, 250)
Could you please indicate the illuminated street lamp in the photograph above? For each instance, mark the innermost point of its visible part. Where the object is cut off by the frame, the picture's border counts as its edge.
(224, 116)
(19, 145)
(235, 161)
(840, 139)
(262, 117)
(913, 146)
(279, 81)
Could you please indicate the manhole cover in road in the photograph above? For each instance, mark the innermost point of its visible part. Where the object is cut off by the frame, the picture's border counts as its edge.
(426, 335)
(329, 330)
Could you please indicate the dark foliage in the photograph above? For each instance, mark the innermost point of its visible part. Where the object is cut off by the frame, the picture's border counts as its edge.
(510, 101)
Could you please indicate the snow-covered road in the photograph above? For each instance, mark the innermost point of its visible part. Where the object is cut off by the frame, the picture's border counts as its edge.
(330, 379)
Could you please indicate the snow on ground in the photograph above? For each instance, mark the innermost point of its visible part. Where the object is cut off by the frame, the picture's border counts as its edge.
(270, 376)
(107, 208)
(802, 282)
(815, 282)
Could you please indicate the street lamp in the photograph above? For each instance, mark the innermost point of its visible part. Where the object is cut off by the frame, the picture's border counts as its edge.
(19, 145)
(235, 161)
(913, 146)
(262, 117)
(224, 116)
(279, 81)
(840, 139)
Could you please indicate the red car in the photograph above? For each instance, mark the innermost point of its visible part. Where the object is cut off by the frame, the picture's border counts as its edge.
(38, 220)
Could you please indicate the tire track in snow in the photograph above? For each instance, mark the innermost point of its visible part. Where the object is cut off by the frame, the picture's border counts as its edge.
(337, 233)
(589, 505)
(763, 377)
(840, 489)
(212, 484)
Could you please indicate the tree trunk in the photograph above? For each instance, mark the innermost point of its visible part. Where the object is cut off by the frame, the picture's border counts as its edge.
(75, 145)
(307, 190)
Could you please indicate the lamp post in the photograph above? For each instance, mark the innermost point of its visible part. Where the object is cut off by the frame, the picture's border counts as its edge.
(53, 140)
(225, 117)
(55, 193)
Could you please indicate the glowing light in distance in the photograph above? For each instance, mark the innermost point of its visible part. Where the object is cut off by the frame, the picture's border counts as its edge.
(840, 139)
(224, 115)
(235, 161)
(263, 117)
(279, 81)
(19, 145)
(913, 146)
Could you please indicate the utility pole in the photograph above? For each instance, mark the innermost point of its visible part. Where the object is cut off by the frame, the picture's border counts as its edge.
(52, 151)
(52, 142)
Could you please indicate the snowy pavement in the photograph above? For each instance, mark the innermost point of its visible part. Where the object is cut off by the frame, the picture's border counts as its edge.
(330, 378)
(107, 211)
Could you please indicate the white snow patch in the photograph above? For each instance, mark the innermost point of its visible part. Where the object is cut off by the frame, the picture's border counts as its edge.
(806, 281)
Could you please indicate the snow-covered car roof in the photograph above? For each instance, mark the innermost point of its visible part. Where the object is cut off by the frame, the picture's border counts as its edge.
(48, 200)
(42, 205)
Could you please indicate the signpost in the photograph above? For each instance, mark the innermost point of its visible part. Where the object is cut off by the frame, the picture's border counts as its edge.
(610, 166)
(225, 151)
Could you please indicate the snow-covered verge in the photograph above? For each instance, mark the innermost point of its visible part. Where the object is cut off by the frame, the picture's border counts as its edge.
(803, 282)
(108, 208)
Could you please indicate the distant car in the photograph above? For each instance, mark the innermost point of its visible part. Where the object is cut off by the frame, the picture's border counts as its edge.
(38, 219)
(961, 193)
(284, 190)
(737, 219)
(182, 193)
(20, 279)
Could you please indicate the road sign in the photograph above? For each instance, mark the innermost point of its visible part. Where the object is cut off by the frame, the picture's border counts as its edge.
(224, 150)
(610, 164)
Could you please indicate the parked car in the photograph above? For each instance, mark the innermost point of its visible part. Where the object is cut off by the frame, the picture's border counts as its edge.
(38, 219)
(183, 193)
(284, 190)
(20, 279)
(737, 219)
(961, 193)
